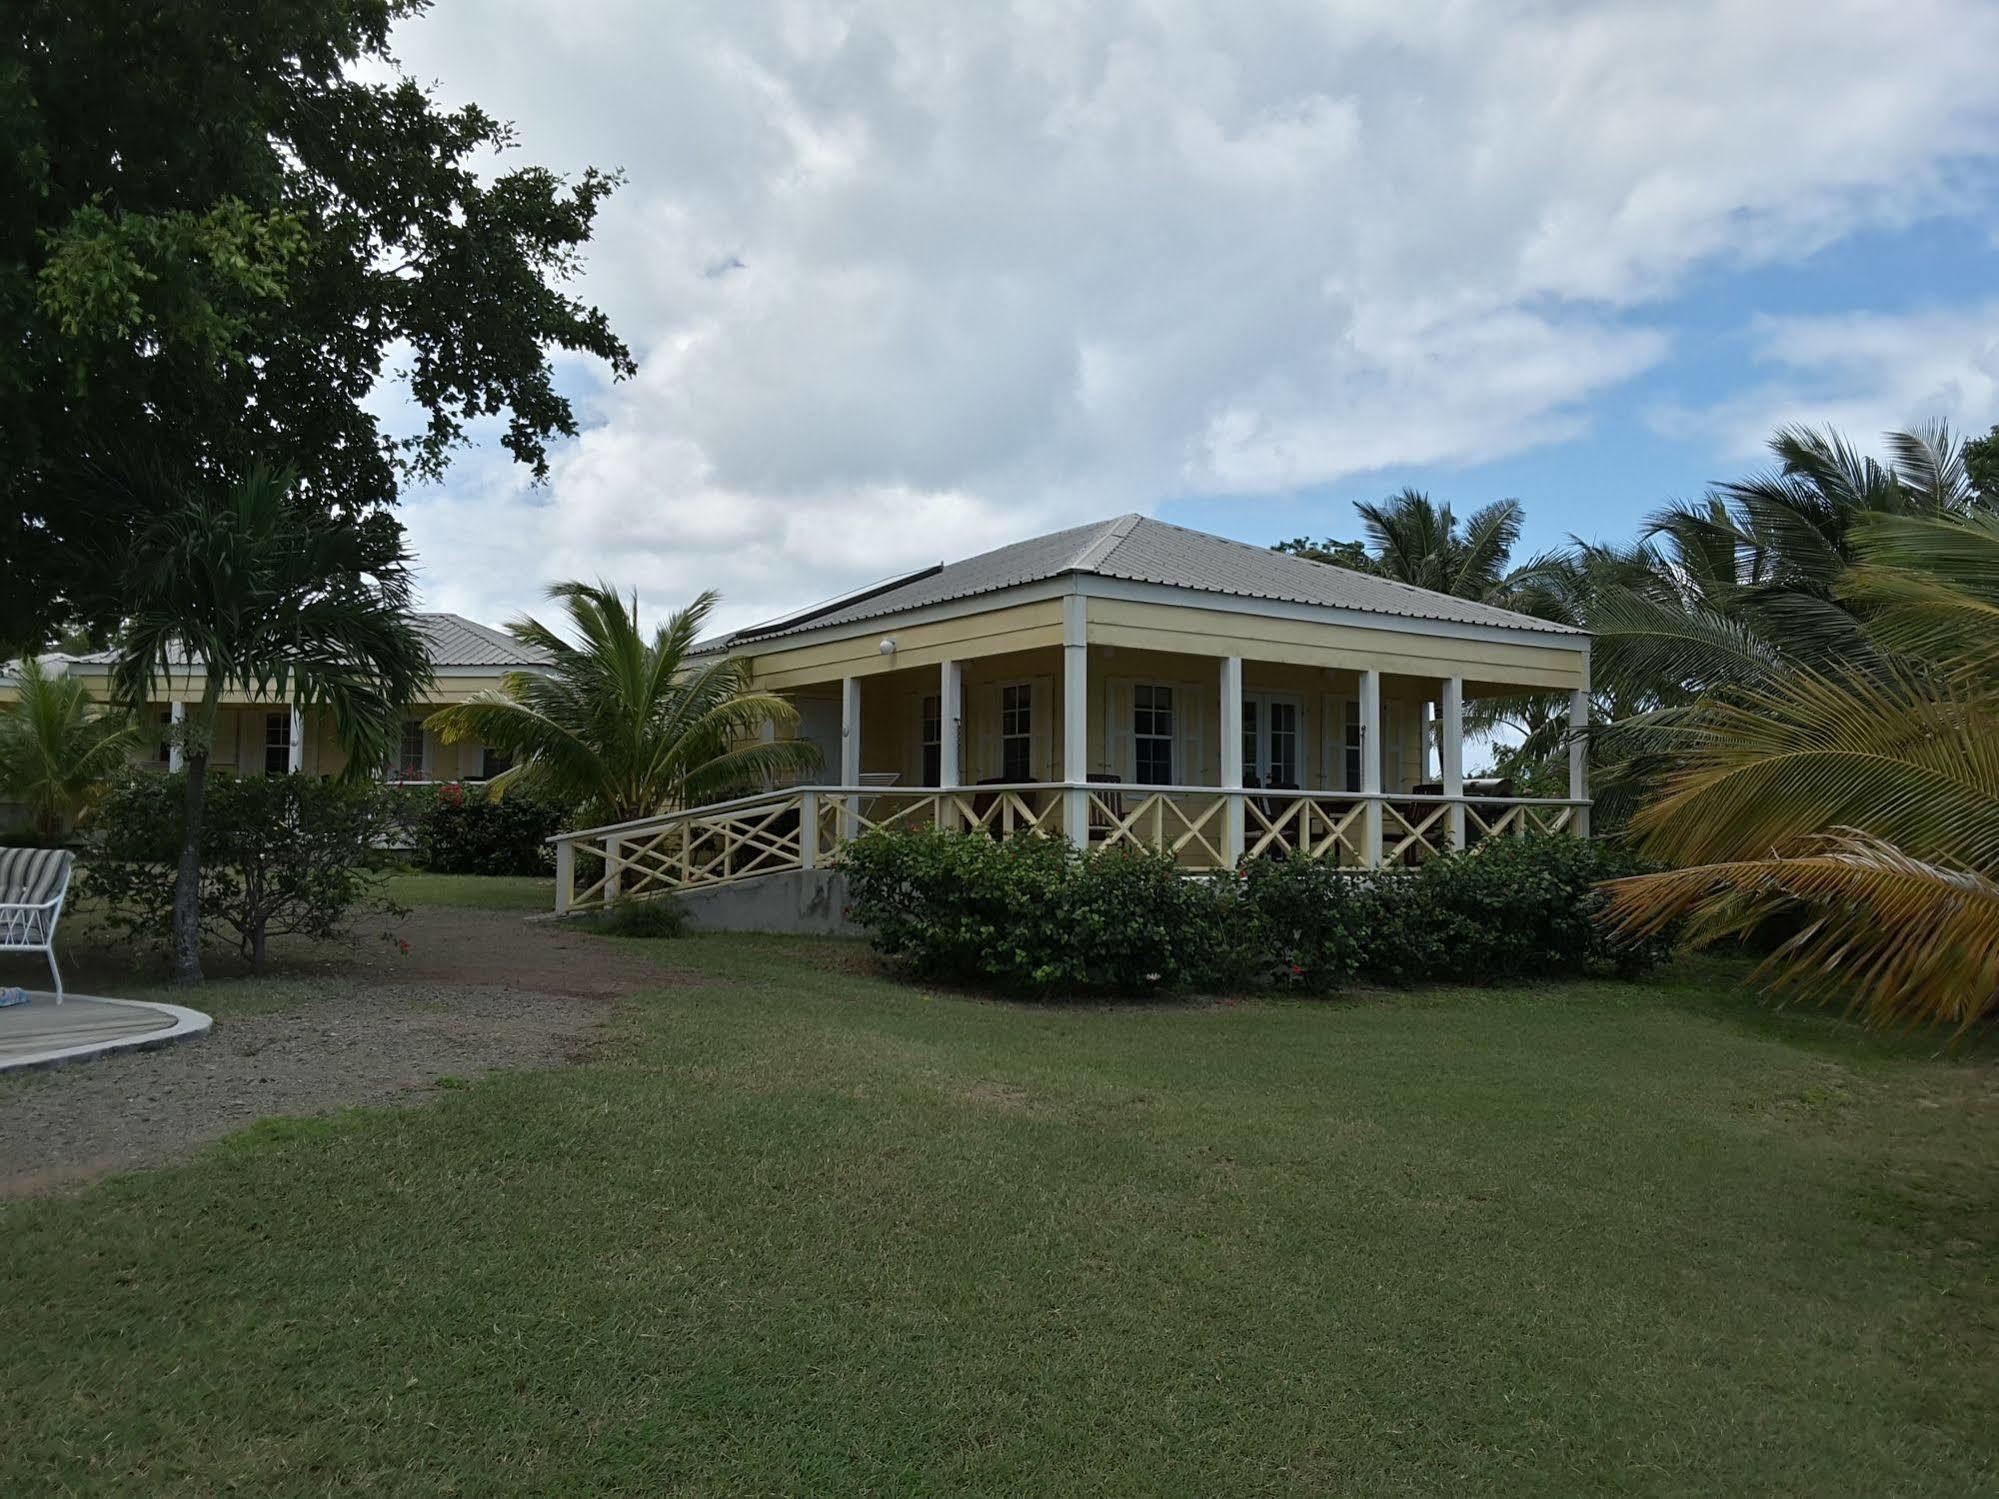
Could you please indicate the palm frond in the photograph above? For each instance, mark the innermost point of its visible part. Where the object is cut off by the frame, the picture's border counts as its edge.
(1906, 940)
(627, 724)
(1929, 586)
(1764, 766)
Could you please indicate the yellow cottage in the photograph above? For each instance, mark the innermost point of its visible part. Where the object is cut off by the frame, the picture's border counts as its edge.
(255, 737)
(1127, 681)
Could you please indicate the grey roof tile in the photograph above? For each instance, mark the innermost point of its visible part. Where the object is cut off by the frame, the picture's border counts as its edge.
(1139, 549)
(448, 640)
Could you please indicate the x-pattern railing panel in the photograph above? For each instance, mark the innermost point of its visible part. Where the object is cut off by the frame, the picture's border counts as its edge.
(794, 829)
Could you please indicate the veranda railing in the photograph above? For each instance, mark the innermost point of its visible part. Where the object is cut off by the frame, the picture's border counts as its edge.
(1204, 828)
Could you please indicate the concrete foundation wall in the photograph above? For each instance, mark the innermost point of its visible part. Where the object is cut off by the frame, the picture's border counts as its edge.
(800, 903)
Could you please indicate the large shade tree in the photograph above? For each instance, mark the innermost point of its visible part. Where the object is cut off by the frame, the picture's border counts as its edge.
(624, 724)
(247, 588)
(223, 223)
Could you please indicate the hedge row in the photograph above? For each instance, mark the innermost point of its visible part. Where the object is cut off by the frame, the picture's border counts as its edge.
(1031, 915)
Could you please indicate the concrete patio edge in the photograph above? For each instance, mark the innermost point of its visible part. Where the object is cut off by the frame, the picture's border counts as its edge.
(186, 1025)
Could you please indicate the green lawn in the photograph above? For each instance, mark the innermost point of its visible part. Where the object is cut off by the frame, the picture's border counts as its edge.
(800, 1229)
(473, 892)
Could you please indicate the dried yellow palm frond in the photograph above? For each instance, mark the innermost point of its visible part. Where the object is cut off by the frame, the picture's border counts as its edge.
(1902, 939)
(1911, 762)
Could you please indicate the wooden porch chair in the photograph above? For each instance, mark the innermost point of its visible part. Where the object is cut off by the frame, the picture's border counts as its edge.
(1101, 824)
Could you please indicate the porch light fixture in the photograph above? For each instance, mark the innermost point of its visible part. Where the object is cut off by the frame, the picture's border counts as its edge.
(888, 646)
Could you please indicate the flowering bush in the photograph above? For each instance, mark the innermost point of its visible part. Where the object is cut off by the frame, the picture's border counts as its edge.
(1033, 915)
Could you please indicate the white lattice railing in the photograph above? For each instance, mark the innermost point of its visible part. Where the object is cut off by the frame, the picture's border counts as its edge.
(1202, 827)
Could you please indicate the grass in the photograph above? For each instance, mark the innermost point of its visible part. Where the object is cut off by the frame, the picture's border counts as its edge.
(803, 1229)
(473, 892)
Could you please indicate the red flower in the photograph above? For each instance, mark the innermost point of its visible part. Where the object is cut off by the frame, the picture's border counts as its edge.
(403, 945)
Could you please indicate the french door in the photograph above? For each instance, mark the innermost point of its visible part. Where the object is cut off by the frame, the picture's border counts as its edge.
(1270, 739)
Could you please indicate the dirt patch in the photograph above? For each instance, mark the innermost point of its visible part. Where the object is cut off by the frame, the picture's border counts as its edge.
(375, 1025)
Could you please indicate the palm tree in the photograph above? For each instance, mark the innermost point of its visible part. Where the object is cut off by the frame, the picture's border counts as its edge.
(625, 726)
(1744, 583)
(1417, 541)
(1861, 798)
(248, 589)
(56, 751)
(1736, 589)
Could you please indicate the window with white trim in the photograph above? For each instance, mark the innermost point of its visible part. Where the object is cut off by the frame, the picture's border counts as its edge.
(277, 743)
(1016, 732)
(1152, 734)
(494, 762)
(410, 755)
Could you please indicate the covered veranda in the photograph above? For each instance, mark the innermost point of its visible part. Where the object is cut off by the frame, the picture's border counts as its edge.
(1212, 730)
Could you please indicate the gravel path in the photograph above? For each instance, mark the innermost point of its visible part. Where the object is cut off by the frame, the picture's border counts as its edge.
(477, 990)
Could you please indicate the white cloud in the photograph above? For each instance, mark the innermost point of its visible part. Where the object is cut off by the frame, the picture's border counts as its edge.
(1863, 373)
(905, 279)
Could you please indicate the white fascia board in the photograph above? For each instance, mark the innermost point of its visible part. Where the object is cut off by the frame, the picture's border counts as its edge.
(977, 603)
(1095, 585)
(1325, 614)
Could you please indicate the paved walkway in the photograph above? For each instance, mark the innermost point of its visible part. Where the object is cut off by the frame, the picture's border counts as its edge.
(42, 1031)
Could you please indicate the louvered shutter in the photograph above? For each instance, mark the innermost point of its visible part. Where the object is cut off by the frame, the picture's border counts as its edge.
(1190, 754)
(1041, 729)
(1117, 727)
(984, 742)
(1332, 739)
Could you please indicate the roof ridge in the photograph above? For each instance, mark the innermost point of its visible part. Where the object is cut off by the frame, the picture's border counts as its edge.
(1289, 558)
(1113, 531)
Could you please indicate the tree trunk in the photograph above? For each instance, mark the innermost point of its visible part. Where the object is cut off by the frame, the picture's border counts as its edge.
(187, 878)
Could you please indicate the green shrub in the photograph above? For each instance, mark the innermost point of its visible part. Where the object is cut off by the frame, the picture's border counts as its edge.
(964, 909)
(1301, 923)
(1031, 915)
(281, 855)
(643, 918)
(469, 831)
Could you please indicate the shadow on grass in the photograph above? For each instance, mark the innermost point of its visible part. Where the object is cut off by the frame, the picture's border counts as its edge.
(1718, 988)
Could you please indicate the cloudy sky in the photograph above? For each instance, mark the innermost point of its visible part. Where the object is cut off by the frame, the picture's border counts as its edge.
(906, 280)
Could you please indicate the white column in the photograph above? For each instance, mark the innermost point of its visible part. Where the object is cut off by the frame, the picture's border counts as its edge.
(950, 723)
(1452, 744)
(1231, 684)
(295, 752)
(850, 753)
(565, 876)
(176, 752)
(950, 733)
(767, 734)
(808, 829)
(1579, 758)
(1076, 717)
(1370, 767)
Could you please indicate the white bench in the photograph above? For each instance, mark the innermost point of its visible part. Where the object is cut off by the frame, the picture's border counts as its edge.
(33, 884)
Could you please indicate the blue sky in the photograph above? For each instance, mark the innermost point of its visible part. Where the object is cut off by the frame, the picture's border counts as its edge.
(1601, 484)
(990, 270)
